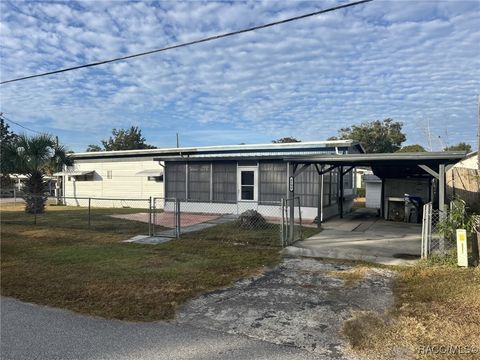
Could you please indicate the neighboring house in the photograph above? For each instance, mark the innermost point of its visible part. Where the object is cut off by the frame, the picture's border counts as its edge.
(17, 185)
(463, 181)
(211, 178)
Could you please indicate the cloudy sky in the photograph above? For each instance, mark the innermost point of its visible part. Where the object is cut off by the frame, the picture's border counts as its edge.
(414, 61)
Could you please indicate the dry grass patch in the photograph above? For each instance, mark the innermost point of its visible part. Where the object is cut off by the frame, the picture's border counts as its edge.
(352, 276)
(435, 306)
(91, 271)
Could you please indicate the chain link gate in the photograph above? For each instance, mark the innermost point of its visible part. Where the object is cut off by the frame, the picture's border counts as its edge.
(291, 221)
(165, 217)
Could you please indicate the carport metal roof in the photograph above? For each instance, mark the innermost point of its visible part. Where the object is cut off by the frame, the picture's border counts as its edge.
(388, 165)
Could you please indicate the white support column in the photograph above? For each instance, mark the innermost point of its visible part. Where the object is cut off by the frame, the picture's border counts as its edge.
(441, 188)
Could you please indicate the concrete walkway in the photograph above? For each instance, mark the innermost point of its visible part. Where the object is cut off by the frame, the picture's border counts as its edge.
(168, 235)
(363, 236)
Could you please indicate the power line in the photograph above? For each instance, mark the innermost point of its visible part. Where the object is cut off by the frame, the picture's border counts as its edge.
(194, 42)
(3, 117)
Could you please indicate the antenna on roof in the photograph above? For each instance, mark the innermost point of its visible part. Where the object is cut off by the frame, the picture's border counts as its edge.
(178, 143)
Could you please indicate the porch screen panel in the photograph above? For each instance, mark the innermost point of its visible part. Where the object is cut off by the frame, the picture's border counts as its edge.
(175, 180)
(307, 187)
(224, 179)
(272, 181)
(199, 181)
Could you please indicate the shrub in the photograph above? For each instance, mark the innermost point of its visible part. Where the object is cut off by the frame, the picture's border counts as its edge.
(251, 219)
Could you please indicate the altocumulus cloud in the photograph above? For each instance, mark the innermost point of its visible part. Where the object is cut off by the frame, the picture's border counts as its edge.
(412, 61)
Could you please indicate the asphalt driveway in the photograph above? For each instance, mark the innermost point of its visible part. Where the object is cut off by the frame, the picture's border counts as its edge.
(292, 312)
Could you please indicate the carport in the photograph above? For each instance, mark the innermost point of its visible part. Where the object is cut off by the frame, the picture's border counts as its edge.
(362, 235)
(427, 165)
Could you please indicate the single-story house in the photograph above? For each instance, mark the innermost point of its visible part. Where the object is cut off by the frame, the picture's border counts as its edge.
(211, 178)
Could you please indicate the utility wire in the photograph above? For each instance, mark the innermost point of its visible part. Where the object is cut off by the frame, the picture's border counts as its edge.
(194, 42)
(3, 117)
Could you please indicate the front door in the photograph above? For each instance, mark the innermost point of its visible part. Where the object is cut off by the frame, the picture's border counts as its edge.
(247, 183)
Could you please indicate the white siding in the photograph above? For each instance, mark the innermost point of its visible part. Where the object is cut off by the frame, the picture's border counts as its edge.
(124, 183)
(373, 194)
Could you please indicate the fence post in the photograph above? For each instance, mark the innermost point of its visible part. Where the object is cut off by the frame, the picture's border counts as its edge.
(282, 231)
(300, 218)
(89, 211)
(177, 213)
(150, 216)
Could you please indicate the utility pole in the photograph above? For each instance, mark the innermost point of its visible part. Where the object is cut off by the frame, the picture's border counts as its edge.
(478, 132)
(178, 142)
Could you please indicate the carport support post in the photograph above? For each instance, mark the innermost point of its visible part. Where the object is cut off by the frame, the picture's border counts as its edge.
(441, 188)
(441, 200)
(290, 199)
(340, 202)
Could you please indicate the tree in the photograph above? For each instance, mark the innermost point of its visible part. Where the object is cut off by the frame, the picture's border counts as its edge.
(459, 147)
(94, 148)
(123, 139)
(284, 140)
(375, 136)
(33, 156)
(6, 137)
(412, 148)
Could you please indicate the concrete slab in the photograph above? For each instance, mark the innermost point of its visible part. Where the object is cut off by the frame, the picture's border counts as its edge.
(168, 235)
(301, 303)
(363, 236)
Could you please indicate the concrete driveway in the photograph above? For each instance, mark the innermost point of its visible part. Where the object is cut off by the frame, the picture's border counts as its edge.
(361, 235)
(294, 311)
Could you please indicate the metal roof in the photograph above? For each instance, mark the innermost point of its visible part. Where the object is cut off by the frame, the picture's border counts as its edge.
(388, 165)
(295, 148)
(445, 157)
(150, 172)
(74, 173)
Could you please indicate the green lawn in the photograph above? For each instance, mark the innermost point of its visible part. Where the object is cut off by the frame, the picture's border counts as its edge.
(59, 263)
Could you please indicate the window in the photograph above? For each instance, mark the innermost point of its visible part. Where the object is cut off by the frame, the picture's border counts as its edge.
(248, 185)
(247, 181)
(81, 178)
(155, 178)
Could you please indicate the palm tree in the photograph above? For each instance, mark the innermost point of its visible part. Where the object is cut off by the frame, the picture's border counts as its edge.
(33, 157)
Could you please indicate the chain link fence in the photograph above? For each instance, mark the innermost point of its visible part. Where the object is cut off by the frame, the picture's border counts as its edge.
(243, 222)
(434, 242)
(275, 223)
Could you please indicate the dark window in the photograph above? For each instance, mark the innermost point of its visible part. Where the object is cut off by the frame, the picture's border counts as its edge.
(247, 185)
